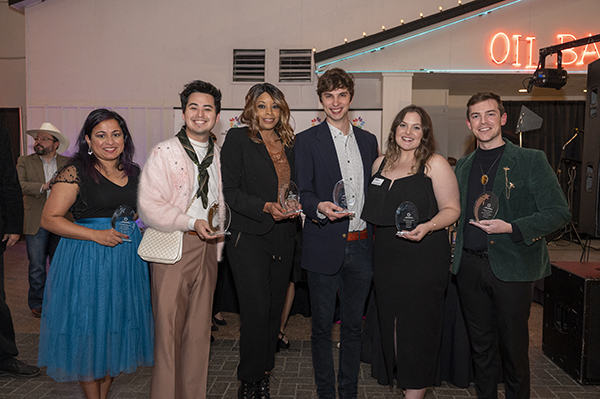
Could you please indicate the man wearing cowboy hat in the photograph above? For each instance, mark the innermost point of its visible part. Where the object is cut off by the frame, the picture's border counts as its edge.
(35, 172)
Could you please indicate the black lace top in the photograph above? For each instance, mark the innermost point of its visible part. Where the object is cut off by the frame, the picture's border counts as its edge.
(97, 200)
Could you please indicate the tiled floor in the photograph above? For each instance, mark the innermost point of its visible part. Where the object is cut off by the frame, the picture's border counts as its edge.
(293, 374)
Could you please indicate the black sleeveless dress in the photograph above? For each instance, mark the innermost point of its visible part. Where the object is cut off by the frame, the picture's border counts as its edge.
(410, 280)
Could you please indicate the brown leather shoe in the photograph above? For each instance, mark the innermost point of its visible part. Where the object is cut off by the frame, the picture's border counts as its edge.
(37, 312)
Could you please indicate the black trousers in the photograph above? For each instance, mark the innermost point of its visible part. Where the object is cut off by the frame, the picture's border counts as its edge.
(261, 267)
(497, 315)
(8, 346)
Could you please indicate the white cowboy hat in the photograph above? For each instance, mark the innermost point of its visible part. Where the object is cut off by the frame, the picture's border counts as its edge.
(49, 128)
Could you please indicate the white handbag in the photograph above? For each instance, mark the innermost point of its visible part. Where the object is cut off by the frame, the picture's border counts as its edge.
(161, 247)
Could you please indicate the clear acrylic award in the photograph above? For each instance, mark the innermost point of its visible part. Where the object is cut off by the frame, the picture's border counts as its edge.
(344, 196)
(123, 220)
(289, 197)
(486, 206)
(407, 217)
(219, 218)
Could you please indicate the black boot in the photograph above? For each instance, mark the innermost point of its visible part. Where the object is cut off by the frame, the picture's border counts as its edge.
(247, 390)
(262, 388)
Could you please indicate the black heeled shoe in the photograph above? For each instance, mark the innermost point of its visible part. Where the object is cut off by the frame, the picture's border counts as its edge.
(281, 344)
(221, 322)
(263, 387)
(247, 390)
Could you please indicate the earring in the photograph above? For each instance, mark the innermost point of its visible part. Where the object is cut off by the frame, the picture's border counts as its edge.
(90, 152)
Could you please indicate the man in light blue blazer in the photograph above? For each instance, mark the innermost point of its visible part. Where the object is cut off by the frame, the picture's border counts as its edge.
(498, 256)
(337, 247)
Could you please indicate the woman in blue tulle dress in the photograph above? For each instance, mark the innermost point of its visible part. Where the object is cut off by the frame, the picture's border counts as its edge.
(96, 315)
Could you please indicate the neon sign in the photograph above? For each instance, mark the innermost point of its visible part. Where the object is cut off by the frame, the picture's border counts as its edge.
(517, 51)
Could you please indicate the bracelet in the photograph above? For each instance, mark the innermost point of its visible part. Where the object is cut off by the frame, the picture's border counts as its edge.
(434, 226)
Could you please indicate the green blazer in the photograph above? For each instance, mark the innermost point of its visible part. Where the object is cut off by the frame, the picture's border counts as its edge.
(536, 204)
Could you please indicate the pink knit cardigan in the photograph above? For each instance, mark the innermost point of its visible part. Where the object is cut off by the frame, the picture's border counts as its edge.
(166, 187)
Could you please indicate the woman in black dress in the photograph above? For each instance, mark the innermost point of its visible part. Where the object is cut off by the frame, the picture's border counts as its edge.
(411, 269)
(255, 161)
(97, 317)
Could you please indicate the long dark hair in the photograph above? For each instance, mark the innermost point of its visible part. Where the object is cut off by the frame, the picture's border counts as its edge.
(427, 147)
(250, 116)
(89, 161)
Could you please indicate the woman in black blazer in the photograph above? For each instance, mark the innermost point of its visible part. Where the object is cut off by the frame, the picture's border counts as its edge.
(255, 161)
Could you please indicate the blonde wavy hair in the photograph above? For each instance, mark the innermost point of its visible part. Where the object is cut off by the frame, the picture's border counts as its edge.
(250, 115)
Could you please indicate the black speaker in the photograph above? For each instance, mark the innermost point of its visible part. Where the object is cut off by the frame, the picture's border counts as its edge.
(571, 332)
(589, 210)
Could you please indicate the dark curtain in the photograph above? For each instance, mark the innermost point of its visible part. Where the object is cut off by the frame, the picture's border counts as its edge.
(561, 118)
(10, 118)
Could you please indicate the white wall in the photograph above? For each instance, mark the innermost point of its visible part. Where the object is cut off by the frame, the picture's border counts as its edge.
(135, 55)
(12, 59)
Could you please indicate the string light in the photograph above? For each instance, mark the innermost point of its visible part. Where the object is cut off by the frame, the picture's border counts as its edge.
(345, 40)
(314, 50)
(382, 27)
(459, 2)
(364, 34)
(381, 47)
(441, 9)
(421, 14)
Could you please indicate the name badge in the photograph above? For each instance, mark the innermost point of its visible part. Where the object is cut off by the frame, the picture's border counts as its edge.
(378, 181)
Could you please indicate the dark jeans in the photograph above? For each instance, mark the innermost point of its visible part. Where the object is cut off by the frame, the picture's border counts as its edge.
(352, 281)
(496, 314)
(40, 247)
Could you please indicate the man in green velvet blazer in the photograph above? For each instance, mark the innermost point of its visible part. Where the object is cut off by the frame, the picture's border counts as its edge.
(498, 256)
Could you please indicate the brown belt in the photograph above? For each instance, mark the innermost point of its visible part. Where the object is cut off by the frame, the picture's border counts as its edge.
(192, 233)
(357, 235)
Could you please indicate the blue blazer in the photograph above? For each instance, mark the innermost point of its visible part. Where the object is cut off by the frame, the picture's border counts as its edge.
(317, 171)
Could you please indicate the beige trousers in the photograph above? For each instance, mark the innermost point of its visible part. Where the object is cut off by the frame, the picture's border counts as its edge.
(182, 296)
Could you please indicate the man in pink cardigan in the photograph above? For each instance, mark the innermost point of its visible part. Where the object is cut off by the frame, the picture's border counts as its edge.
(179, 183)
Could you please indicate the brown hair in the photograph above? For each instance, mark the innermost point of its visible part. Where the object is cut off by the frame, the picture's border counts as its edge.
(250, 116)
(427, 146)
(335, 78)
(484, 96)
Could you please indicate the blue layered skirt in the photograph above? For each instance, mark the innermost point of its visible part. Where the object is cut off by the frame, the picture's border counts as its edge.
(96, 315)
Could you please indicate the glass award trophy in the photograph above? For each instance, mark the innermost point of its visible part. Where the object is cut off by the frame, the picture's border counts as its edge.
(486, 206)
(407, 217)
(219, 218)
(123, 220)
(344, 196)
(289, 197)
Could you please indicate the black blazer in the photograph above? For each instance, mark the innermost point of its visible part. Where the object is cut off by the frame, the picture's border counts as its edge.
(249, 181)
(11, 198)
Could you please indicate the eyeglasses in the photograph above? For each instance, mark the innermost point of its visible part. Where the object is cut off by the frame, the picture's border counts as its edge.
(44, 139)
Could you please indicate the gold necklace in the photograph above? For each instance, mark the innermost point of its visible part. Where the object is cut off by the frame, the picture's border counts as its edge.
(484, 176)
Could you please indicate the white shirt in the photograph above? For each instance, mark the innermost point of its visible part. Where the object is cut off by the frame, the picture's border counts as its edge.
(49, 171)
(196, 210)
(351, 165)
